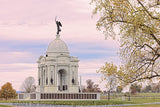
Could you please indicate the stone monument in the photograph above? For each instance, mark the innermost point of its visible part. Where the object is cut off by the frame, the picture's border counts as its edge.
(57, 70)
(58, 75)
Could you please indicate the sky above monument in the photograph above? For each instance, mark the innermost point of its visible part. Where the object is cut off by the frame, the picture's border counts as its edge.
(27, 27)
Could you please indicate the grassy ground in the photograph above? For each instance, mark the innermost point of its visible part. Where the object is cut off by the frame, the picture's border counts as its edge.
(100, 102)
(136, 99)
(155, 105)
(5, 106)
(83, 103)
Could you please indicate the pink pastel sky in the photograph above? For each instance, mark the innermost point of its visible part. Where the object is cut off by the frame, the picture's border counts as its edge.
(27, 27)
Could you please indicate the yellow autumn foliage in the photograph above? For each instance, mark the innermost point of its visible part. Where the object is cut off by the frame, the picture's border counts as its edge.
(138, 23)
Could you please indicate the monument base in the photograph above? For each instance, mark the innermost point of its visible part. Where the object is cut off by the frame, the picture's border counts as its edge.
(58, 96)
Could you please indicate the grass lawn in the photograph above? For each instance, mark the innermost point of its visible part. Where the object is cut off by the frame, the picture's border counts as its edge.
(138, 98)
(5, 106)
(155, 105)
(100, 102)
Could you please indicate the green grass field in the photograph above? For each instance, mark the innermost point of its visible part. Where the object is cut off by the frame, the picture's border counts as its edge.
(137, 98)
(5, 106)
(100, 102)
(155, 105)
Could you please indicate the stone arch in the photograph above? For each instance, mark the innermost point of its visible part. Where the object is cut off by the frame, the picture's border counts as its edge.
(62, 80)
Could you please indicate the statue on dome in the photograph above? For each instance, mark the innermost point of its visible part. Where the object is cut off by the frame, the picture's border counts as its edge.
(58, 25)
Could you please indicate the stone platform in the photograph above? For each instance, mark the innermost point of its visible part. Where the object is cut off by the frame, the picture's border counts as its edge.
(59, 96)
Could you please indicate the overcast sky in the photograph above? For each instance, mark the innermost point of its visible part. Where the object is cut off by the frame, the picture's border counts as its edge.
(27, 27)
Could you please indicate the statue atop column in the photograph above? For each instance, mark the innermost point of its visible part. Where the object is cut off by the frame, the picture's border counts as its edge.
(58, 25)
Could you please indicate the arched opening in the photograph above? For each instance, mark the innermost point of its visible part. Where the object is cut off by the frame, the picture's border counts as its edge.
(62, 80)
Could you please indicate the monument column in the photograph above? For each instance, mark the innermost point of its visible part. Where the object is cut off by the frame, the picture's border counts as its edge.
(76, 75)
(70, 75)
(55, 75)
(49, 75)
(41, 76)
(39, 79)
(46, 77)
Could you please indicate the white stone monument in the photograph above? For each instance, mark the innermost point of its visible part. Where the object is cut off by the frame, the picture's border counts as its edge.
(57, 70)
(58, 75)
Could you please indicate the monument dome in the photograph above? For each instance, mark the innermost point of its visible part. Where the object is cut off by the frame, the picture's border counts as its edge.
(57, 46)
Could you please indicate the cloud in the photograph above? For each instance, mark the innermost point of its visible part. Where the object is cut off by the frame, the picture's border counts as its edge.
(46, 33)
(33, 11)
(34, 20)
(18, 67)
(25, 32)
(90, 66)
(16, 56)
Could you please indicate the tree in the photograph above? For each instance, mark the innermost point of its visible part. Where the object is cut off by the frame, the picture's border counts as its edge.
(135, 88)
(155, 87)
(152, 87)
(158, 86)
(96, 88)
(91, 87)
(148, 88)
(119, 89)
(83, 88)
(28, 85)
(109, 76)
(138, 22)
(7, 91)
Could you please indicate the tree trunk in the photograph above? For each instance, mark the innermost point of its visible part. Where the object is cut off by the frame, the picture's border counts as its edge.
(108, 95)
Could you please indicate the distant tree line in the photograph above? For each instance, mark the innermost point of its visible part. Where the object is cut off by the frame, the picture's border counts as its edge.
(91, 87)
(153, 87)
(136, 88)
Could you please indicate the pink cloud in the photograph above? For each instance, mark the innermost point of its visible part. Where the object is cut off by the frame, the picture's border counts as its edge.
(18, 67)
(13, 56)
(22, 10)
(34, 21)
(92, 65)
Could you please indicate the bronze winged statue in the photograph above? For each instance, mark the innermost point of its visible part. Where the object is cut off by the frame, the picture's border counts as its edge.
(58, 25)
